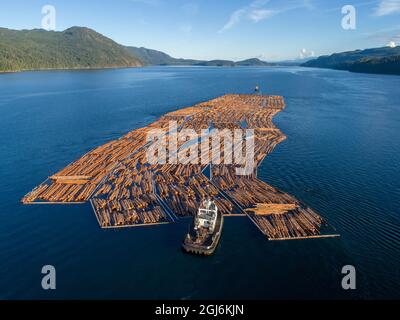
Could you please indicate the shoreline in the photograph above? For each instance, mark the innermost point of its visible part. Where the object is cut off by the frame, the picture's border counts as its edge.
(4, 72)
(149, 66)
(68, 69)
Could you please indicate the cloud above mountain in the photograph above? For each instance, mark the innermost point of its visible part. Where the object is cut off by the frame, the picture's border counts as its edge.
(304, 53)
(260, 10)
(254, 12)
(387, 7)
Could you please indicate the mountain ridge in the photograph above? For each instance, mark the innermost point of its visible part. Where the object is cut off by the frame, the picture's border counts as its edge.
(382, 60)
(84, 48)
(156, 57)
(73, 48)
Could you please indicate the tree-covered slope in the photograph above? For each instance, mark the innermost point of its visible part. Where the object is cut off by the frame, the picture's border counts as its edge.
(383, 65)
(158, 58)
(216, 63)
(83, 48)
(74, 48)
(384, 60)
(152, 57)
(253, 62)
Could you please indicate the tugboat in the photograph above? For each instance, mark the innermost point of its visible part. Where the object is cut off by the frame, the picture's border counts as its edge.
(205, 231)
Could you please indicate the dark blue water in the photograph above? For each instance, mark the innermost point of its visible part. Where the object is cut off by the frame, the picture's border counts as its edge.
(342, 157)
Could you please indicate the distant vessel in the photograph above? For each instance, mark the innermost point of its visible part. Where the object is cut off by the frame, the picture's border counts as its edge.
(205, 231)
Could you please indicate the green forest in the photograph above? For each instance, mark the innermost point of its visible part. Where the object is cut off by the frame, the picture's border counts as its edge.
(74, 48)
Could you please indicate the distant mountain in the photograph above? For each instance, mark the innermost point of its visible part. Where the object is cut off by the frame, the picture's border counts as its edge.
(158, 58)
(74, 48)
(228, 63)
(216, 63)
(294, 62)
(385, 60)
(253, 62)
(84, 48)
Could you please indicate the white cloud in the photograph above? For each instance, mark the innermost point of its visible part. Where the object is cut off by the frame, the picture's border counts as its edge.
(256, 12)
(253, 12)
(304, 53)
(392, 44)
(387, 7)
(260, 14)
(233, 19)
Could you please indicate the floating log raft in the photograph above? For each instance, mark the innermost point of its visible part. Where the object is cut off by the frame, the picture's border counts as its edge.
(125, 190)
(299, 223)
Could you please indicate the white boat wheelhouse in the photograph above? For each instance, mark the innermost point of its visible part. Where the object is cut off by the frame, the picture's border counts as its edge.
(206, 216)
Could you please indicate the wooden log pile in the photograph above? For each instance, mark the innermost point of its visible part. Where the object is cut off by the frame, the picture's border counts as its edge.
(272, 208)
(127, 212)
(298, 223)
(126, 190)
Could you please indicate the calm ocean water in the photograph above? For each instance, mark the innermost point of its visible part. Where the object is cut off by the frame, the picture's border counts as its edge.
(342, 157)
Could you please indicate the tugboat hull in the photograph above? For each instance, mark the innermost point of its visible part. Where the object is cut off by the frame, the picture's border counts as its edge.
(208, 247)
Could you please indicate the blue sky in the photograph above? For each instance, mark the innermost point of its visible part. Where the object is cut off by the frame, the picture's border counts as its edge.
(223, 29)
